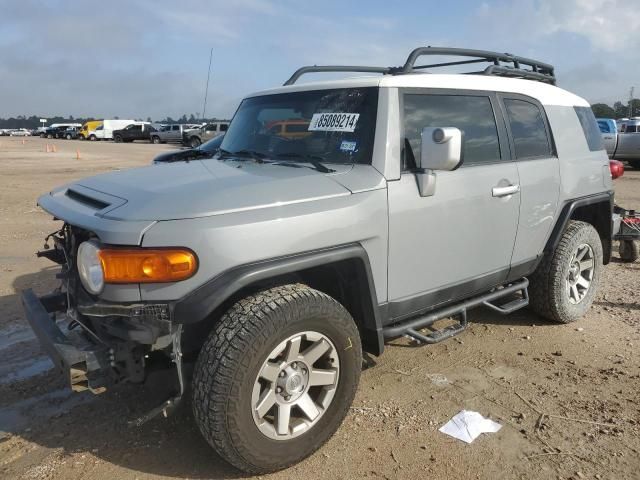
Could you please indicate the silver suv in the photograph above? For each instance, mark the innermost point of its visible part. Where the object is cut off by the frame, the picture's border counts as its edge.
(270, 265)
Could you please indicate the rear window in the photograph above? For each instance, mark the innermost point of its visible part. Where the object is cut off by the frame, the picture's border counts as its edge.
(604, 126)
(527, 129)
(590, 128)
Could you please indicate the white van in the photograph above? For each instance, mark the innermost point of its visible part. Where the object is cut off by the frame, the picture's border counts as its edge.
(105, 131)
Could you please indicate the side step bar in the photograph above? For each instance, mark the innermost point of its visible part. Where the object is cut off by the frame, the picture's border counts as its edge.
(410, 327)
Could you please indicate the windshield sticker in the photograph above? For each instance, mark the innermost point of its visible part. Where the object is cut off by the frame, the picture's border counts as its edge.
(333, 122)
(347, 146)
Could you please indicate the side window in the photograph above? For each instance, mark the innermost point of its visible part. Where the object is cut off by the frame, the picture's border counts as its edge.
(175, 128)
(590, 128)
(604, 126)
(473, 115)
(528, 129)
(224, 127)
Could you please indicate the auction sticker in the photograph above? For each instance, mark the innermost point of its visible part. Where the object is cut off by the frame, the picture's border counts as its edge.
(333, 122)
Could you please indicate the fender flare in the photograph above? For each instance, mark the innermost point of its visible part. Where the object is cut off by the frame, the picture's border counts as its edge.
(567, 212)
(204, 300)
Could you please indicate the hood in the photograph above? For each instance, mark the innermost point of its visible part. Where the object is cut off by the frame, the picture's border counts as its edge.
(212, 187)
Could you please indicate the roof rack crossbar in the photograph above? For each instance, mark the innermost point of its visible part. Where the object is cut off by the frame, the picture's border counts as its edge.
(501, 64)
(336, 68)
(448, 64)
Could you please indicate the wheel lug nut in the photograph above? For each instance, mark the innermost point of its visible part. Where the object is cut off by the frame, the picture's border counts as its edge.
(304, 370)
(294, 365)
(278, 389)
(282, 374)
(287, 398)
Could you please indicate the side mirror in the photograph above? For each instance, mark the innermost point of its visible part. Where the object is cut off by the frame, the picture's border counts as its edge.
(441, 149)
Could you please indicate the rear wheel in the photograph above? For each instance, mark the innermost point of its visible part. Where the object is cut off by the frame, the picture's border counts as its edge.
(117, 139)
(564, 285)
(68, 137)
(634, 163)
(194, 142)
(276, 377)
(629, 250)
(155, 139)
(92, 138)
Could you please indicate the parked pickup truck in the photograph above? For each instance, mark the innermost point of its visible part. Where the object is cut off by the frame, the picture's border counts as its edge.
(135, 131)
(171, 133)
(196, 137)
(622, 139)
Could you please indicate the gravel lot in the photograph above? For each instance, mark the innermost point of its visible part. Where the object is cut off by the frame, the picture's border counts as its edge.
(567, 395)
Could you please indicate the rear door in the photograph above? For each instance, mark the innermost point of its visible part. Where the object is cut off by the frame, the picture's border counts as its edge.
(532, 147)
(460, 240)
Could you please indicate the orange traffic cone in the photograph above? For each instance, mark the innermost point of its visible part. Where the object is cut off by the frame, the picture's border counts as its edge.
(48, 149)
(54, 149)
(23, 142)
(77, 154)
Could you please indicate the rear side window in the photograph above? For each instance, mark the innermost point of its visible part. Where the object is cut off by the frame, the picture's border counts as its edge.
(604, 126)
(527, 129)
(590, 128)
(472, 115)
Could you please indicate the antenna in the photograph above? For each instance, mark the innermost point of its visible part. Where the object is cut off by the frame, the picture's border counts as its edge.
(631, 102)
(206, 90)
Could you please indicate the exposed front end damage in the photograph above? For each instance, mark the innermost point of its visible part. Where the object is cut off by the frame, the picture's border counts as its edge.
(95, 343)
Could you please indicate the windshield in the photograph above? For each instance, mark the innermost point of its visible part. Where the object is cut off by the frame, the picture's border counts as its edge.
(333, 126)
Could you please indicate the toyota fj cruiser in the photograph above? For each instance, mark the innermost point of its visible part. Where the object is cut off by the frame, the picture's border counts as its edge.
(273, 263)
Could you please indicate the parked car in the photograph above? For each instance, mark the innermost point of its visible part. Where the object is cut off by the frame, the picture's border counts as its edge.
(135, 131)
(88, 130)
(71, 133)
(267, 269)
(105, 131)
(54, 132)
(622, 139)
(196, 137)
(172, 133)
(206, 150)
(20, 132)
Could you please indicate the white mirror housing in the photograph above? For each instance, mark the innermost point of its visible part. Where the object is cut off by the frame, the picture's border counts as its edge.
(441, 148)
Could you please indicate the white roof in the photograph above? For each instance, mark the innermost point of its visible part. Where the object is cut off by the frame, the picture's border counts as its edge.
(543, 92)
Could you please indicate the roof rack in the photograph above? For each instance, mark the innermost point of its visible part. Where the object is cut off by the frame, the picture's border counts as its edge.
(502, 65)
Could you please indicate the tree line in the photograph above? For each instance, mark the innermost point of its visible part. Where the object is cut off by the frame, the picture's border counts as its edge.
(618, 110)
(33, 121)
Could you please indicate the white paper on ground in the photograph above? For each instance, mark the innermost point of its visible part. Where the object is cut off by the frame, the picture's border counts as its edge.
(468, 425)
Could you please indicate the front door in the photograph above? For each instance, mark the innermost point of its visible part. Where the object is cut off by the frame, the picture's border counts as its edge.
(461, 239)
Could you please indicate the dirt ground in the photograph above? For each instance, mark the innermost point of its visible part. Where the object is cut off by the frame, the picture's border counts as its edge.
(568, 396)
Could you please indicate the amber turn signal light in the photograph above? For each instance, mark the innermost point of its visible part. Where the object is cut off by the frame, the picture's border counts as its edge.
(147, 265)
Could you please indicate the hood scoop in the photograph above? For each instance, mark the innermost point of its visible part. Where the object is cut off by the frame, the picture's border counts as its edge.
(86, 200)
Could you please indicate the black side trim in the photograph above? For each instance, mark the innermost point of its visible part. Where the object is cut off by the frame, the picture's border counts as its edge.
(396, 311)
(200, 303)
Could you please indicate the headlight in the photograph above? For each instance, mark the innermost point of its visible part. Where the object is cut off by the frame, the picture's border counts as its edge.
(90, 267)
(97, 266)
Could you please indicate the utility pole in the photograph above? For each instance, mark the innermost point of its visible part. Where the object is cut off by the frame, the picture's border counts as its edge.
(206, 89)
(631, 102)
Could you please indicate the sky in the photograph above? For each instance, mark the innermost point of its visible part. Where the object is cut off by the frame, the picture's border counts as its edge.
(139, 59)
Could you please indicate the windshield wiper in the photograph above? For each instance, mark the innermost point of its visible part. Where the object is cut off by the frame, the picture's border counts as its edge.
(253, 154)
(311, 159)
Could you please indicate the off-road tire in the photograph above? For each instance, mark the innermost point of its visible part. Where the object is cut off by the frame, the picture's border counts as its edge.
(629, 251)
(548, 295)
(232, 356)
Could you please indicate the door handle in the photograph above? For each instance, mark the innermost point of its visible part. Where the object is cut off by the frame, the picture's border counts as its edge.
(608, 138)
(505, 191)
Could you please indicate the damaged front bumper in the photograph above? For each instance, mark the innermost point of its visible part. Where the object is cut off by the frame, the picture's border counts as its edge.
(84, 363)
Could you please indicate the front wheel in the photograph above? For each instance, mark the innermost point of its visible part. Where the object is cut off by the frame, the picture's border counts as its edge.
(194, 142)
(565, 283)
(117, 139)
(155, 139)
(276, 377)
